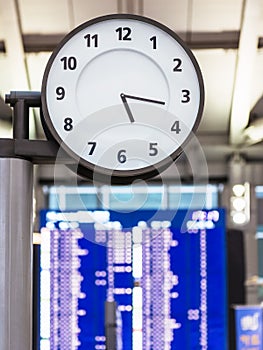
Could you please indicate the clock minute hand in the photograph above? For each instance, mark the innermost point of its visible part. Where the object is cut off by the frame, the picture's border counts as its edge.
(128, 110)
(143, 99)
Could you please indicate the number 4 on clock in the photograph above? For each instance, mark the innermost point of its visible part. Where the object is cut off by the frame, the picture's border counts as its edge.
(176, 127)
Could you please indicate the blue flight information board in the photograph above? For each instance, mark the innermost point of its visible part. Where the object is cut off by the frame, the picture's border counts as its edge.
(165, 270)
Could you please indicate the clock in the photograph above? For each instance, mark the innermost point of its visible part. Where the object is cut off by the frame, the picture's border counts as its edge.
(122, 94)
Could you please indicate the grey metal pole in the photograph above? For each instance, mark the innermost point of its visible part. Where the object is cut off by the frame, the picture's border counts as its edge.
(111, 325)
(16, 187)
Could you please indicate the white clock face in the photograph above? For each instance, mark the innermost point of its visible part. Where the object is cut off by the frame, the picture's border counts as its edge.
(122, 94)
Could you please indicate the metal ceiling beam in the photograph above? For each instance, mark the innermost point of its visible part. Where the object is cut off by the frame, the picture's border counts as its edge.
(41, 42)
(2, 46)
(198, 41)
(130, 6)
(248, 46)
(211, 40)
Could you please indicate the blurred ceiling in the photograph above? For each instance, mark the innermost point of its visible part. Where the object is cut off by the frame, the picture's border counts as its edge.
(226, 37)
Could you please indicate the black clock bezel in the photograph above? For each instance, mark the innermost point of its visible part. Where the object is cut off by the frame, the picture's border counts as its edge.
(98, 173)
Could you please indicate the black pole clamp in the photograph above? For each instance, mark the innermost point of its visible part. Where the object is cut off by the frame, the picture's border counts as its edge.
(37, 151)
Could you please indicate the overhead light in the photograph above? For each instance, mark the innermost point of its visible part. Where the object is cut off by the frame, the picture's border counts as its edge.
(36, 238)
(240, 204)
(239, 218)
(238, 190)
(254, 132)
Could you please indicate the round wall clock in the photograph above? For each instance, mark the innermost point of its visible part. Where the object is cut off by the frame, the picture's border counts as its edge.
(122, 94)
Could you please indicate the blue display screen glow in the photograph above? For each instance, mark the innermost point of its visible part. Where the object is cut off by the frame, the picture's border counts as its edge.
(166, 271)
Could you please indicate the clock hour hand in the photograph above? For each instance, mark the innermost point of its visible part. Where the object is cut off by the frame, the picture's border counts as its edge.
(128, 110)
